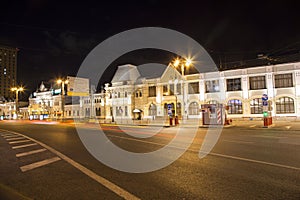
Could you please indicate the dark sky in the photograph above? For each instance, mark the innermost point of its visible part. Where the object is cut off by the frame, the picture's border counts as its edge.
(55, 36)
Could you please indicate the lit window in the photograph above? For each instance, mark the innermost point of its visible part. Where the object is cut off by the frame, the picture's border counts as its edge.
(235, 106)
(285, 105)
(234, 84)
(194, 88)
(283, 80)
(256, 106)
(212, 86)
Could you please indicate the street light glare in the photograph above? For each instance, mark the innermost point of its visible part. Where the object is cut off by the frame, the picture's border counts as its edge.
(188, 62)
(59, 81)
(176, 62)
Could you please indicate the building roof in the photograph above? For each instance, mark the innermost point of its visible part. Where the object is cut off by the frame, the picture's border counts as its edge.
(126, 72)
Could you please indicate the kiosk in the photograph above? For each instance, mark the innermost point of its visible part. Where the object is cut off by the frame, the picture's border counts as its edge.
(213, 114)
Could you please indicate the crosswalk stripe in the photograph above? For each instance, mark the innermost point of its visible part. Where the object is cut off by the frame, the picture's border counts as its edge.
(19, 141)
(25, 145)
(30, 152)
(39, 164)
(9, 136)
(16, 138)
(6, 134)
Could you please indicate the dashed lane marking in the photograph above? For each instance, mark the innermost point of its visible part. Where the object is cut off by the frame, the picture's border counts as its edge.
(23, 146)
(30, 152)
(238, 141)
(106, 183)
(19, 141)
(39, 164)
(288, 127)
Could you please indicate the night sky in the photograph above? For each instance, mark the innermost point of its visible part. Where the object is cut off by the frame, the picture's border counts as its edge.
(54, 37)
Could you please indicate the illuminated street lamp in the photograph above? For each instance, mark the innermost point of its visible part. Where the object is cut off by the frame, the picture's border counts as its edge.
(182, 63)
(62, 82)
(17, 90)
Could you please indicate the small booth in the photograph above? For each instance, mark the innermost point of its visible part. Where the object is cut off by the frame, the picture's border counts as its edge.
(213, 114)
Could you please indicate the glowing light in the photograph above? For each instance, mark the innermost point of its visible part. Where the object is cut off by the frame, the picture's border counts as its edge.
(176, 62)
(188, 62)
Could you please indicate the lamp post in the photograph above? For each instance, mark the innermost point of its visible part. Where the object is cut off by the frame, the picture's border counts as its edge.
(62, 82)
(17, 90)
(182, 63)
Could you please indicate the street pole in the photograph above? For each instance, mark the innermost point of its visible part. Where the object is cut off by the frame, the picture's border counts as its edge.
(16, 90)
(62, 82)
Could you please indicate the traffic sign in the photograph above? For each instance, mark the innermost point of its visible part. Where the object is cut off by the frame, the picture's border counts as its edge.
(265, 103)
(264, 97)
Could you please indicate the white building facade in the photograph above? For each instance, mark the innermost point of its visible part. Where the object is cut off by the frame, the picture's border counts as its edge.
(130, 97)
(133, 97)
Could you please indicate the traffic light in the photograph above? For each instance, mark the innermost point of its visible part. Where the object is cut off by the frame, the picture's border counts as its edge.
(265, 113)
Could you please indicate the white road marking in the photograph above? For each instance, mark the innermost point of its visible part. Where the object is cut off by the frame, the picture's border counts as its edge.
(237, 141)
(19, 141)
(5, 135)
(106, 183)
(39, 164)
(288, 127)
(9, 136)
(255, 161)
(16, 138)
(25, 145)
(252, 126)
(224, 156)
(266, 136)
(30, 152)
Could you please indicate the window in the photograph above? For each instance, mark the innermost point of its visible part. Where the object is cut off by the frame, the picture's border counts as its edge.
(165, 90)
(257, 82)
(178, 88)
(235, 106)
(119, 94)
(283, 80)
(152, 91)
(194, 88)
(98, 111)
(171, 89)
(126, 111)
(285, 105)
(194, 108)
(234, 84)
(212, 86)
(119, 111)
(256, 106)
(125, 94)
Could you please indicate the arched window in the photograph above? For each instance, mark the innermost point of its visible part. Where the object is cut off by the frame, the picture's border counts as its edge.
(285, 105)
(194, 108)
(256, 106)
(235, 106)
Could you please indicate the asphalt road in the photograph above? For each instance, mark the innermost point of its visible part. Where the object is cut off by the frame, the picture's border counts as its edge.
(248, 162)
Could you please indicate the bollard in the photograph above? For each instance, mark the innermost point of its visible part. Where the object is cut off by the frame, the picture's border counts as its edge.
(171, 121)
(176, 121)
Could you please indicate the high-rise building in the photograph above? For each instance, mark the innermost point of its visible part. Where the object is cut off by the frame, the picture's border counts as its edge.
(8, 70)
